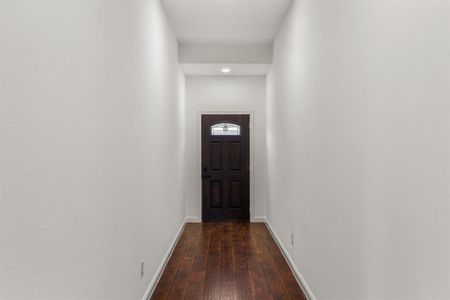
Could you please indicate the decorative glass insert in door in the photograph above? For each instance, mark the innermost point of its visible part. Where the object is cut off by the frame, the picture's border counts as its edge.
(225, 129)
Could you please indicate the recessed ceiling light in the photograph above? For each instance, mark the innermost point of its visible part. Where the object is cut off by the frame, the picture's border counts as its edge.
(226, 70)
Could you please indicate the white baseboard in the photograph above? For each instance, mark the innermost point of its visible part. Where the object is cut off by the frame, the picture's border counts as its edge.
(151, 287)
(301, 281)
(258, 220)
(193, 220)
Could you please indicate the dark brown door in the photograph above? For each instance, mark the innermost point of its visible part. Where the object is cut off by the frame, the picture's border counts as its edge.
(225, 168)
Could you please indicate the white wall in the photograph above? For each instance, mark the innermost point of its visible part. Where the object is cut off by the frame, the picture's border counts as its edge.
(358, 145)
(225, 94)
(226, 53)
(91, 144)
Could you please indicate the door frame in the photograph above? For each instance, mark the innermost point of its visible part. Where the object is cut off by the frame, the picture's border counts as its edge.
(199, 156)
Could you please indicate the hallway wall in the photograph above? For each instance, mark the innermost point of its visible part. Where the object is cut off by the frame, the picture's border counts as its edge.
(91, 144)
(225, 94)
(357, 120)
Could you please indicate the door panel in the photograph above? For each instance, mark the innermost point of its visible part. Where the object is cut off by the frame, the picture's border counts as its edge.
(216, 155)
(235, 194)
(216, 194)
(225, 168)
(235, 156)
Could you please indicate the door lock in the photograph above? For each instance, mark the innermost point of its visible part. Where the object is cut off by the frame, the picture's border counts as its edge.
(204, 173)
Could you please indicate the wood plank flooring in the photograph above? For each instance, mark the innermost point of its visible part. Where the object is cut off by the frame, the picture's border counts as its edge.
(227, 261)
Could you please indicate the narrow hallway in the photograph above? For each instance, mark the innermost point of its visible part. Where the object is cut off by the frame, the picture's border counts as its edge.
(314, 132)
(227, 261)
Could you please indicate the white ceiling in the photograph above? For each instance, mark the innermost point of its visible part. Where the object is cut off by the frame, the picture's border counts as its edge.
(226, 21)
(215, 69)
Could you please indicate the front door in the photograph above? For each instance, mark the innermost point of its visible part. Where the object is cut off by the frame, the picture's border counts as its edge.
(225, 168)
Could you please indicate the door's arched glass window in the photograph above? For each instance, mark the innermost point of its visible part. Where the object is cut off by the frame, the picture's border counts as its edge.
(225, 129)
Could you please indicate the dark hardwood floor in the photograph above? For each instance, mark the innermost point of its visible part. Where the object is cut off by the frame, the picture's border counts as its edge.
(227, 261)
